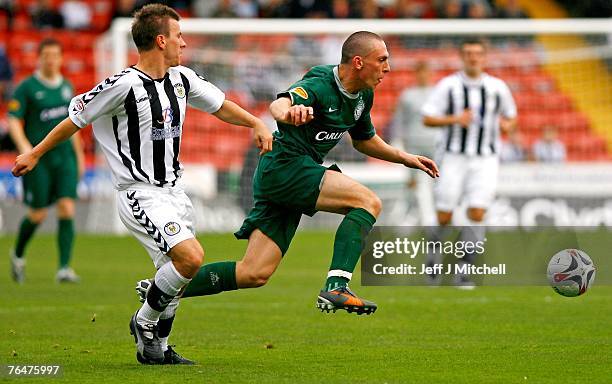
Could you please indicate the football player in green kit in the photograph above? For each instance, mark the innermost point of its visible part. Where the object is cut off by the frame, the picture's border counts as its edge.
(39, 103)
(312, 117)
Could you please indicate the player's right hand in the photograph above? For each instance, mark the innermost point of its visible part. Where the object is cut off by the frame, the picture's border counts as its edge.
(24, 163)
(465, 119)
(299, 115)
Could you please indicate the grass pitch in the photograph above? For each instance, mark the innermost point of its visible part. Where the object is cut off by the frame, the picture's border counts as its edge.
(274, 333)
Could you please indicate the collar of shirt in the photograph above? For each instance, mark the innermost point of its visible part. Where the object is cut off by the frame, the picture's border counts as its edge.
(471, 82)
(341, 87)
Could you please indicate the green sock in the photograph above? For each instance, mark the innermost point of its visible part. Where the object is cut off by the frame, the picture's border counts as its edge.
(65, 239)
(213, 278)
(349, 242)
(26, 230)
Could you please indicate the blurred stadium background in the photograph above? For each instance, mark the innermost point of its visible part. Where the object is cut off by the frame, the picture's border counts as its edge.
(558, 70)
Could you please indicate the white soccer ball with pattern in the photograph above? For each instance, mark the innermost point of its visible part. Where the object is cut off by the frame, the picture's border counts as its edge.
(571, 272)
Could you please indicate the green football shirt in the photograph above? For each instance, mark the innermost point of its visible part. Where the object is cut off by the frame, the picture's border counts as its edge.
(42, 106)
(336, 111)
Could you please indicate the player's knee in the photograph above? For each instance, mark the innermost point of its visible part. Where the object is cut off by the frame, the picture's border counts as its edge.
(195, 259)
(445, 218)
(476, 214)
(37, 216)
(371, 203)
(376, 205)
(189, 263)
(257, 278)
(65, 209)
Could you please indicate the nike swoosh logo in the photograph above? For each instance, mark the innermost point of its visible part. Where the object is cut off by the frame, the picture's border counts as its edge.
(332, 110)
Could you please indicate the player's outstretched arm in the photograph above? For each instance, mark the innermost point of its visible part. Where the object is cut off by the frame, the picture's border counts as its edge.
(282, 111)
(376, 147)
(232, 113)
(77, 144)
(25, 162)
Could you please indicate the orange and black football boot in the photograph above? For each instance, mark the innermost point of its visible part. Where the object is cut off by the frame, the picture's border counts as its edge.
(344, 298)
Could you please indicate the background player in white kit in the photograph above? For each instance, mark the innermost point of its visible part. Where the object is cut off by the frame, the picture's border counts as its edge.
(138, 117)
(471, 106)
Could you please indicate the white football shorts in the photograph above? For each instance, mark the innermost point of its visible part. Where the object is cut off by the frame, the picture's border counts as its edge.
(472, 179)
(159, 218)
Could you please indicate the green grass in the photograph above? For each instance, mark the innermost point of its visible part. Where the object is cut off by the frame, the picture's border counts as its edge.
(419, 334)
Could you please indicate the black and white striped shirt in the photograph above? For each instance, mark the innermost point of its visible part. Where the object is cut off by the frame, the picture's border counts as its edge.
(138, 121)
(488, 98)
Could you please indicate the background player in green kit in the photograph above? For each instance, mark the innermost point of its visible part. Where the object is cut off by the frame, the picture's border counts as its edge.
(39, 103)
(312, 117)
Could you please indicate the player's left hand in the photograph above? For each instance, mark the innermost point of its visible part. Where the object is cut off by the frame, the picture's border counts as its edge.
(423, 163)
(262, 138)
(24, 163)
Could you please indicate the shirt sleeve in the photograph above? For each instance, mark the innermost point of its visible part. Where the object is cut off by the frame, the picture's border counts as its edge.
(301, 93)
(508, 106)
(437, 102)
(103, 99)
(364, 129)
(202, 94)
(18, 102)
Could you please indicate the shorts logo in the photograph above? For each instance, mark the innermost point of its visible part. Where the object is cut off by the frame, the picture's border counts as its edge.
(359, 109)
(179, 90)
(301, 92)
(172, 228)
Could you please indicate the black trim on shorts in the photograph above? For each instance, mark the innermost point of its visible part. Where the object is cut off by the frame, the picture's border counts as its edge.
(142, 218)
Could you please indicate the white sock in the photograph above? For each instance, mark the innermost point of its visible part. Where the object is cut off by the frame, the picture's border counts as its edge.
(170, 282)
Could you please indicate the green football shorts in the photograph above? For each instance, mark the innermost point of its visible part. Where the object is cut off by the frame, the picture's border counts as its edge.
(285, 186)
(50, 181)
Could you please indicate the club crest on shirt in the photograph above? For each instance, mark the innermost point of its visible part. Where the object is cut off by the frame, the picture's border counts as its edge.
(172, 228)
(179, 90)
(301, 92)
(66, 93)
(359, 109)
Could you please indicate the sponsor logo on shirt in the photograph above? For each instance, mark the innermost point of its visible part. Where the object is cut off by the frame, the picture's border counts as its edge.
(53, 113)
(166, 116)
(324, 136)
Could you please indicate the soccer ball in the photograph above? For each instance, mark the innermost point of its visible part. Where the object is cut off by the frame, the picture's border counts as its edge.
(571, 272)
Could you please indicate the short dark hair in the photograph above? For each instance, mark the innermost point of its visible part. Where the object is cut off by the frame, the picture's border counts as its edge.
(473, 41)
(355, 45)
(149, 22)
(49, 42)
